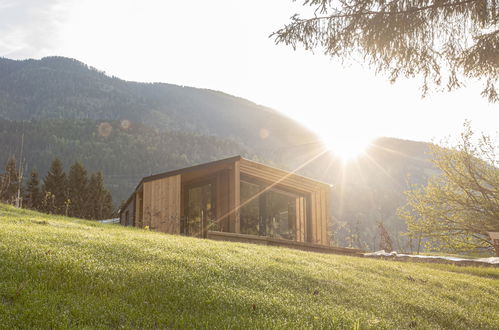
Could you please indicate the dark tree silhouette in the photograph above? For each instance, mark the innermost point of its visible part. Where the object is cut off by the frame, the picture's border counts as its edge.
(54, 185)
(32, 195)
(10, 182)
(100, 201)
(77, 186)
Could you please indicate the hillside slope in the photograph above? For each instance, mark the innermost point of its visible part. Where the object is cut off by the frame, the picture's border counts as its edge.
(64, 108)
(57, 272)
(64, 88)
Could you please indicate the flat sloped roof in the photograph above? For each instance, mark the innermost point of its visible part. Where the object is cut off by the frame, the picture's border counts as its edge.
(214, 163)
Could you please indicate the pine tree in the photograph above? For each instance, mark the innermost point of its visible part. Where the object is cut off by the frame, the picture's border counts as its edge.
(100, 202)
(55, 184)
(33, 195)
(443, 41)
(77, 186)
(96, 193)
(107, 208)
(10, 182)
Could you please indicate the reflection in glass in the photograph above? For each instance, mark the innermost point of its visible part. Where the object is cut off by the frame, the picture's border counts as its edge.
(200, 217)
(250, 211)
(267, 213)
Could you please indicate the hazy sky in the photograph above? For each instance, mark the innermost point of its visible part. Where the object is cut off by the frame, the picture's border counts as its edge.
(225, 45)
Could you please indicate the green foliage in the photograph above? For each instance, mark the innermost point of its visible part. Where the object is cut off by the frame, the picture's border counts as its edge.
(75, 195)
(63, 88)
(441, 41)
(124, 156)
(100, 204)
(55, 188)
(10, 182)
(80, 274)
(457, 209)
(33, 196)
(78, 190)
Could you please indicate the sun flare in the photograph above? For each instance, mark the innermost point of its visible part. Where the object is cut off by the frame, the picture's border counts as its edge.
(348, 148)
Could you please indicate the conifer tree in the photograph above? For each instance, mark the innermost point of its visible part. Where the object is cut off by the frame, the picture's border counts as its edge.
(107, 207)
(77, 187)
(33, 195)
(10, 182)
(442, 41)
(96, 195)
(55, 184)
(99, 198)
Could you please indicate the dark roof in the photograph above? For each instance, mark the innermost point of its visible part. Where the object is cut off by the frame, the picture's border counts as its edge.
(209, 164)
(187, 169)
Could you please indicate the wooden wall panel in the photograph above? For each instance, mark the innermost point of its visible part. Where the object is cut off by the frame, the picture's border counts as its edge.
(300, 219)
(234, 198)
(313, 219)
(172, 188)
(318, 212)
(324, 224)
(298, 222)
(127, 214)
(139, 208)
(222, 202)
(162, 204)
(328, 215)
(147, 202)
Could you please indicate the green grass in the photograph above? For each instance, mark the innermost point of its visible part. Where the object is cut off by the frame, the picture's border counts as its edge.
(57, 272)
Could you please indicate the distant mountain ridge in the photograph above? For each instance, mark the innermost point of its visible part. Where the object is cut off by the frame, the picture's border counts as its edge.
(61, 106)
(62, 88)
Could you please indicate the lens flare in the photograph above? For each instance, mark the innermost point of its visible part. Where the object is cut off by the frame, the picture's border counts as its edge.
(349, 147)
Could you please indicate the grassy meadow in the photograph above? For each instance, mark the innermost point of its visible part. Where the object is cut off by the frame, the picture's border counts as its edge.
(58, 272)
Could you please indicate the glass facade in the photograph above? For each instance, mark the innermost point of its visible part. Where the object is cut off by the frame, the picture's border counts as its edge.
(200, 210)
(267, 212)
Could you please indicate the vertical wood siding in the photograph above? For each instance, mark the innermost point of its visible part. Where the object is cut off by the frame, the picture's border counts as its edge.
(162, 204)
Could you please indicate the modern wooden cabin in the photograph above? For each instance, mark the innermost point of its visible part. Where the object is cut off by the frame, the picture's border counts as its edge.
(233, 199)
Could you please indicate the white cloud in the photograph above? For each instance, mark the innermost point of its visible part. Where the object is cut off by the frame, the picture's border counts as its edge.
(30, 28)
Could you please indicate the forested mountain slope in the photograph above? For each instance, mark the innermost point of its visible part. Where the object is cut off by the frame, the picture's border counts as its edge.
(62, 88)
(129, 130)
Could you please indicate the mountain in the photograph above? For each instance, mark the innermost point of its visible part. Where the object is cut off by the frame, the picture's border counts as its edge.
(67, 109)
(62, 88)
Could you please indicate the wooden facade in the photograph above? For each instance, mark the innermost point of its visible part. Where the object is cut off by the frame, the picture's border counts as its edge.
(233, 195)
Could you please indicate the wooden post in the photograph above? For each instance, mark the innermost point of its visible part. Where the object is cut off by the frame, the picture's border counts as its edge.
(235, 198)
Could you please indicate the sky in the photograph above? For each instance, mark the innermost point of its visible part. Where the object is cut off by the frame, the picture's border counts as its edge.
(225, 45)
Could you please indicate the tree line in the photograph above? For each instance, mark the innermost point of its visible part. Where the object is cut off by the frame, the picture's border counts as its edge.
(75, 194)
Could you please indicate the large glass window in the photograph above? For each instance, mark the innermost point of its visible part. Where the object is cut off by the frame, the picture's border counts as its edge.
(250, 209)
(280, 214)
(200, 210)
(269, 212)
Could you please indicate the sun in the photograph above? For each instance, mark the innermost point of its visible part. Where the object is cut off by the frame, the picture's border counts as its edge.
(348, 147)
